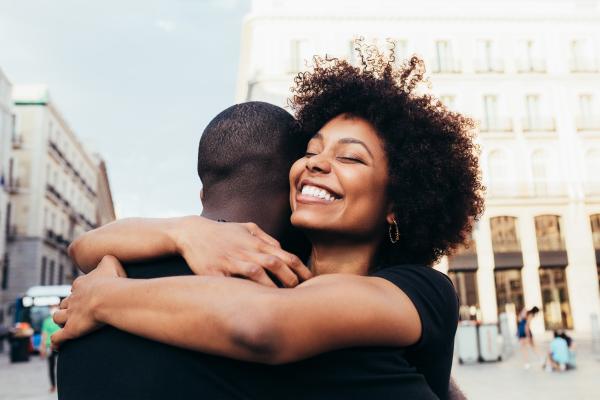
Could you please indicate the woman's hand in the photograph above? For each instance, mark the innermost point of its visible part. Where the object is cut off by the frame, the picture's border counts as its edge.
(236, 249)
(76, 314)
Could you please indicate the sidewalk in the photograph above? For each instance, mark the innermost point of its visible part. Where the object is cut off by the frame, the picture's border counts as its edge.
(24, 381)
(509, 379)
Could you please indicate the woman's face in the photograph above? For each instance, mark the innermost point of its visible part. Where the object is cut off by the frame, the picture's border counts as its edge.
(340, 185)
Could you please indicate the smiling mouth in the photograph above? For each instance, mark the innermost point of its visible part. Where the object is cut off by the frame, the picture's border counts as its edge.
(318, 193)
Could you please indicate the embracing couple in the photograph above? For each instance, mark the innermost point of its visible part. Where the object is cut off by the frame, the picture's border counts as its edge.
(309, 274)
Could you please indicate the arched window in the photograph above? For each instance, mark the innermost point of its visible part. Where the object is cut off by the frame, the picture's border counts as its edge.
(595, 224)
(548, 232)
(498, 172)
(539, 173)
(505, 236)
(592, 168)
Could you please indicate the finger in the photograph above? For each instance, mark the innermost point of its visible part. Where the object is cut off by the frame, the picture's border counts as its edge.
(64, 303)
(291, 260)
(60, 317)
(262, 235)
(277, 267)
(252, 271)
(58, 338)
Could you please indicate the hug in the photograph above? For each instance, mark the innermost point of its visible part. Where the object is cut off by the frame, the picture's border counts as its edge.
(309, 274)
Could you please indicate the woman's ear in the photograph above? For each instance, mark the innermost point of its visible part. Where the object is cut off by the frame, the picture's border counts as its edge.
(390, 218)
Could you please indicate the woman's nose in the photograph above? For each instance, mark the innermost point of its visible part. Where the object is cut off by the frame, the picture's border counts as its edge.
(318, 164)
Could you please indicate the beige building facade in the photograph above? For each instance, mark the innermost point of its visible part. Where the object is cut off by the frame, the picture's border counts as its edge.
(529, 73)
(59, 188)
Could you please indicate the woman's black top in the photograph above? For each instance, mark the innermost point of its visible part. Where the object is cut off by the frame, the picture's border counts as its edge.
(421, 371)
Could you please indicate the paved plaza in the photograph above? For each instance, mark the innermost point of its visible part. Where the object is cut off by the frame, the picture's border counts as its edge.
(504, 380)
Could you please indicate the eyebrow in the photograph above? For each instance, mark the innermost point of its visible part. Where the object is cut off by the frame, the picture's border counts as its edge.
(346, 141)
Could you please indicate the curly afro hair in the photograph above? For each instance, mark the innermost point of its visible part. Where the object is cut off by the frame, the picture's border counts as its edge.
(434, 176)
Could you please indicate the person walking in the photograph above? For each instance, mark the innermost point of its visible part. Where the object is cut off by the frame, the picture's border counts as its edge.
(49, 327)
(524, 333)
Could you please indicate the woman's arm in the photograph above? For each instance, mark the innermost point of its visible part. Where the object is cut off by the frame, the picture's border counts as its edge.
(243, 320)
(209, 247)
(130, 239)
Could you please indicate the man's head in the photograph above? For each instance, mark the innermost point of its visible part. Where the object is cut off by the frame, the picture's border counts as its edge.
(244, 158)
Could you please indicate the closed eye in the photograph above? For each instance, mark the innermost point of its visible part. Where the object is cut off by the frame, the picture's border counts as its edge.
(309, 154)
(350, 159)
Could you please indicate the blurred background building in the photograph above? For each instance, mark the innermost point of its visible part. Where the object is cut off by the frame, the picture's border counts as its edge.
(56, 190)
(529, 73)
(6, 134)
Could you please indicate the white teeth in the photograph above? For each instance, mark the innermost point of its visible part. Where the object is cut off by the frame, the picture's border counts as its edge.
(313, 191)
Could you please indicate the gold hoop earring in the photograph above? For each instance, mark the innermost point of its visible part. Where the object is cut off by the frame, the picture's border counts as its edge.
(394, 232)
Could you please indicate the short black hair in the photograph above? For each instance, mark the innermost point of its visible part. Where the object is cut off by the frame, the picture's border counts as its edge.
(435, 181)
(246, 146)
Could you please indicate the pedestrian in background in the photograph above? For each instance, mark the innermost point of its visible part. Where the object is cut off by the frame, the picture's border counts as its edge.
(48, 328)
(524, 333)
(559, 356)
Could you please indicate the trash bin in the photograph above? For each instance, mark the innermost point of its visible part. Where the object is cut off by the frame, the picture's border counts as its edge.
(20, 342)
(466, 342)
(19, 349)
(489, 348)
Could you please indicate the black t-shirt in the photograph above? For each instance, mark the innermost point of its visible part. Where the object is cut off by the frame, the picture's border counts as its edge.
(421, 371)
(111, 364)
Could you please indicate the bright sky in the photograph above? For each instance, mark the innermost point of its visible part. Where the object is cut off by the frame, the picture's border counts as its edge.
(137, 80)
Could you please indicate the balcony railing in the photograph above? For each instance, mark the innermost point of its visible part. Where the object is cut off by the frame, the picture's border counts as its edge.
(592, 188)
(492, 66)
(17, 141)
(446, 67)
(538, 125)
(496, 125)
(536, 65)
(588, 123)
(540, 189)
(584, 65)
(13, 185)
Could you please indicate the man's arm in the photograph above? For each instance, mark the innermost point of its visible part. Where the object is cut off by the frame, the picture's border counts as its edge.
(243, 320)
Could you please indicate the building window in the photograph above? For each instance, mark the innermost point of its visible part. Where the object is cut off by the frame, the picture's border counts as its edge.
(444, 60)
(61, 274)
(487, 59)
(498, 174)
(530, 58)
(490, 113)
(595, 224)
(509, 291)
(592, 166)
(448, 100)
(555, 298)
(5, 265)
(549, 233)
(43, 272)
(298, 54)
(586, 119)
(400, 52)
(505, 238)
(539, 173)
(465, 283)
(582, 57)
(51, 273)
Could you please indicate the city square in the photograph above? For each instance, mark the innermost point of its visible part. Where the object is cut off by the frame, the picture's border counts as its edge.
(103, 137)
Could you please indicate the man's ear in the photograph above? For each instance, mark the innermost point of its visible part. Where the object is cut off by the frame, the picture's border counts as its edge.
(201, 194)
